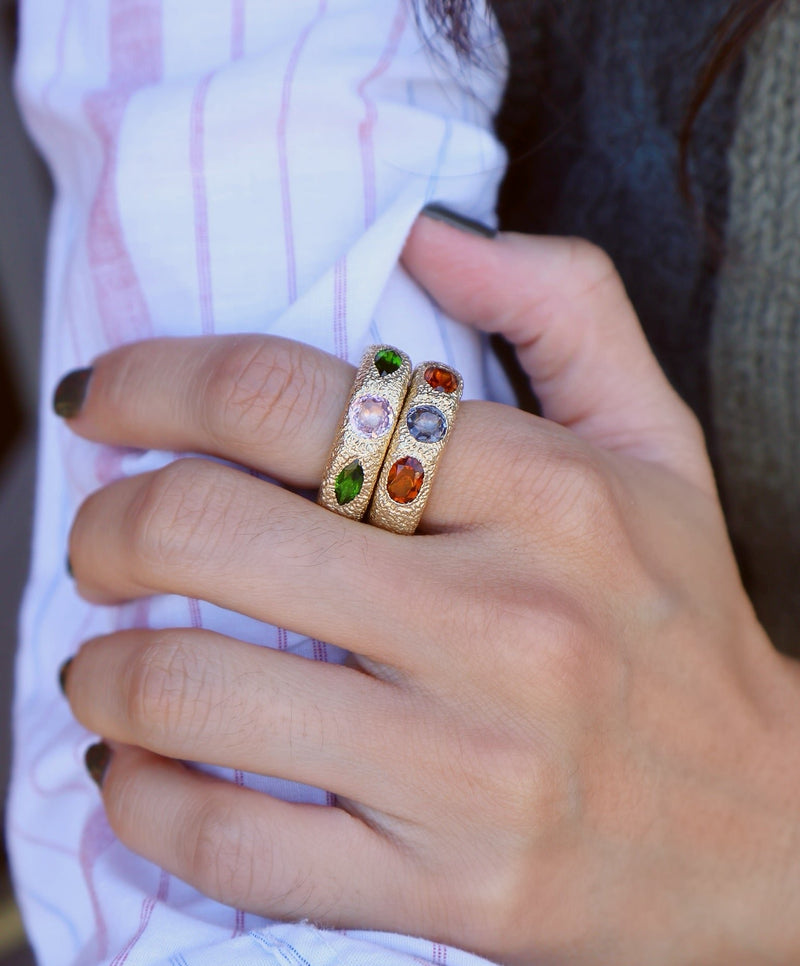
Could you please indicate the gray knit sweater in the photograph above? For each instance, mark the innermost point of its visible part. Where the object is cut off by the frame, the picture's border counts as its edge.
(591, 120)
(755, 335)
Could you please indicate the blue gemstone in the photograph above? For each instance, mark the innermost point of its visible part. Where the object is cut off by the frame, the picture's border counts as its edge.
(426, 424)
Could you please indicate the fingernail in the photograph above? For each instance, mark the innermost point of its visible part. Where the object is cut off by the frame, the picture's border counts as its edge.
(439, 213)
(98, 758)
(62, 675)
(70, 393)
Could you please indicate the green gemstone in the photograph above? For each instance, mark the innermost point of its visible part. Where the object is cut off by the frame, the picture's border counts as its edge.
(388, 361)
(349, 482)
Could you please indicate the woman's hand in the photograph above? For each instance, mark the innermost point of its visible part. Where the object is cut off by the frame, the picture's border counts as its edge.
(564, 738)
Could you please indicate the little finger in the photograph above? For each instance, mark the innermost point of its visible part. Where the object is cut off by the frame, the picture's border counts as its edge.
(246, 849)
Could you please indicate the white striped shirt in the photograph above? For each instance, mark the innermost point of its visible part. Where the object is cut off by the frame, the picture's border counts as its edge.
(221, 166)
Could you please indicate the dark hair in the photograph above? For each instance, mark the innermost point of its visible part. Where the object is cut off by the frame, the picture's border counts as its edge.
(452, 18)
(725, 49)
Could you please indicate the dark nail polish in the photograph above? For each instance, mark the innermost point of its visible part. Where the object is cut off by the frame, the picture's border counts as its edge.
(98, 758)
(62, 675)
(70, 393)
(440, 213)
(70, 571)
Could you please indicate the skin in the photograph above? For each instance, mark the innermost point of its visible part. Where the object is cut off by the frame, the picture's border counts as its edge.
(578, 746)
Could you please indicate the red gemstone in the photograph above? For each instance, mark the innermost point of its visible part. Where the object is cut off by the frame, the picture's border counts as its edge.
(441, 379)
(405, 480)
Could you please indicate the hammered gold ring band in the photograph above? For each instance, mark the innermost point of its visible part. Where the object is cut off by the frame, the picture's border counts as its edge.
(365, 431)
(390, 437)
(412, 458)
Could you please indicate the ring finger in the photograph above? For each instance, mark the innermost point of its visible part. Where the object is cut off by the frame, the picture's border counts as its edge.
(187, 693)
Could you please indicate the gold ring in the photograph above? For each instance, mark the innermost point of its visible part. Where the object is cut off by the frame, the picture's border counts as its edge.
(411, 460)
(365, 430)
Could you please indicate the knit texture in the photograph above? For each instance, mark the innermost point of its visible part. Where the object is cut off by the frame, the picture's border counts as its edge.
(755, 346)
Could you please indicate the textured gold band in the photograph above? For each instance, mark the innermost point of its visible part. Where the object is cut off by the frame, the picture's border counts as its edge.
(365, 430)
(410, 463)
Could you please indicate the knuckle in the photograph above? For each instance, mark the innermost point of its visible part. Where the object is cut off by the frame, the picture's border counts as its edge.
(258, 389)
(167, 690)
(573, 661)
(568, 644)
(223, 851)
(547, 801)
(528, 788)
(179, 515)
(578, 494)
(506, 895)
(559, 482)
(590, 515)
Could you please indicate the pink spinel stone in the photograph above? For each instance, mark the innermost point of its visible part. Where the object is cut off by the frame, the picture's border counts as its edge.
(370, 416)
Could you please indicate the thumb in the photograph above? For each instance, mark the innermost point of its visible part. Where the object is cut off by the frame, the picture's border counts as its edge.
(562, 305)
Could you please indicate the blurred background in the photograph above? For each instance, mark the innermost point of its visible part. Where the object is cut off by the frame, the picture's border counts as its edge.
(24, 206)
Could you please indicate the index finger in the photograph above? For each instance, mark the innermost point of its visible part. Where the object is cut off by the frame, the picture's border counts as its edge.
(262, 401)
(563, 306)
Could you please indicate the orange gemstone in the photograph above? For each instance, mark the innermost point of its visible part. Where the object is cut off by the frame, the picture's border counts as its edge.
(405, 480)
(441, 379)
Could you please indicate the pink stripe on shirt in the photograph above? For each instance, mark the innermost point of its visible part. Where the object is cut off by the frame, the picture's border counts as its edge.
(144, 920)
(96, 838)
(197, 164)
(135, 60)
(340, 307)
(283, 154)
(237, 29)
(367, 127)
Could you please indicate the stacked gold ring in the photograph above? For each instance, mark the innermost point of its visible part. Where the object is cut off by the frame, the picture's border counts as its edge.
(390, 438)
(365, 430)
(413, 455)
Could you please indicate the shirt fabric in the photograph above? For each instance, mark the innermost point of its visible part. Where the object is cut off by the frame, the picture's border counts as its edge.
(220, 166)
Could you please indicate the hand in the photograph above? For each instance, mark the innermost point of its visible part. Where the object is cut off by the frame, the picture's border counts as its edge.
(564, 737)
